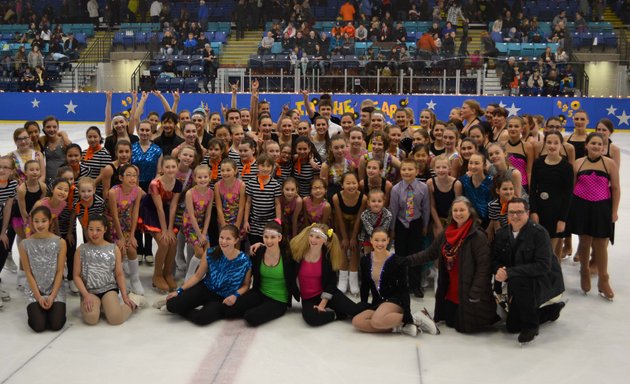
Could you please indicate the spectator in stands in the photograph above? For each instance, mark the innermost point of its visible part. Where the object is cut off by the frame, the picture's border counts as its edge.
(385, 34)
(488, 46)
(598, 7)
(427, 43)
(276, 31)
(320, 59)
(266, 44)
(580, 22)
(448, 28)
(41, 83)
(448, 45)
(567, 84)
(190, 45)
(455, 13)
(547, 56)
(361, 34)
(210, 66)
(535, 83)
(508, 73)
(389, 20)
(27, 82)
(508, 21)
(20, 61)
(31, 32)
(168, 44)
(400, 33)
(310, 42)
(436, 14)
(46, 34)
(413, 14)
(559, 18)
(324, 42)
(240, 18)
(435, 28)
(202, 15)
(349, 29)
(290, 30)
(561, 56)
(92, 9)
(552, 85)
(337, 30)
(35, 57)
(404, 58)
(375, 29)
(202, 40)
(195, 29)
(347, 11)
(288, 43)
(347, 45)
(557, 35)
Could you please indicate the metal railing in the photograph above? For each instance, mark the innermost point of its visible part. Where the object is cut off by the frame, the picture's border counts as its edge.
(94, 54)
(137, 73)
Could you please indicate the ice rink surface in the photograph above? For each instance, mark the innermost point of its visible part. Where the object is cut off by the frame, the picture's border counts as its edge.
(588, 344)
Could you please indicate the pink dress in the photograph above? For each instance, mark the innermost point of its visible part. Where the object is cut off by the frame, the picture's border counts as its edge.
(230, 199)
(124, 205)
(200, 201)
(288, 209)
(314, 213)
(55, 214)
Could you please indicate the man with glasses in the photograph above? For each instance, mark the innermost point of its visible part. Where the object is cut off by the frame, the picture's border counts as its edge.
(523, 259)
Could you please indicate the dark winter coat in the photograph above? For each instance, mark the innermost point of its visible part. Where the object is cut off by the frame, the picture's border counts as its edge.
(477, 306)
(529, 255)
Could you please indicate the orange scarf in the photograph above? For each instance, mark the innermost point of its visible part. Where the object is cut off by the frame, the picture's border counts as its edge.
(73, 188)
(86, 205)
(504, 208)
(279, 168)
(262, 180)
(89, 154)
(298, 165)
(215, 170)
(247, 168)
(76, 168)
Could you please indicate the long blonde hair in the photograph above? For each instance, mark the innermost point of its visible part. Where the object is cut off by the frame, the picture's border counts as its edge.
(300, 245)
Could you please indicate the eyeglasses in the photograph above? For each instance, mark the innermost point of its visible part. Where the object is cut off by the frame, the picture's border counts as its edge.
(515, 213)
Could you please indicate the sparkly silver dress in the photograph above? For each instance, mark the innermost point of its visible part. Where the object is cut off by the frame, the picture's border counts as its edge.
(42, 256)
(98, 263)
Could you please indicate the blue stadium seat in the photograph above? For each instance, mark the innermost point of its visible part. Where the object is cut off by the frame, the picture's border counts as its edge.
(183, 70)
(118, 38)
(514, 49)
(191, 84)
(276, 48)
(268, 61)
(196, 59)
(177, 83)
(527, 49)
(220, 37)
(610, 40)
(255, 61)
(155, 70)
(196, 70)
(163, 84)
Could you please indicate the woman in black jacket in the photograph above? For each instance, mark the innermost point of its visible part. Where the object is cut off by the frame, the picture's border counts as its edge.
(274, 271)
(319, 254)
(381, 276)
(464, 298)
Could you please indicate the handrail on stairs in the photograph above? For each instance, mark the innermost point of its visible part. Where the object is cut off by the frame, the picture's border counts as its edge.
(135, 77)
(93, 54)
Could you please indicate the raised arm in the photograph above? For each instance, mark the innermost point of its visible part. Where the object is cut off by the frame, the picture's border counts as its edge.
(108, 113)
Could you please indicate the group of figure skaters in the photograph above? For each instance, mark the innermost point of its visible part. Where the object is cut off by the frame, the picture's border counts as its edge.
(252, 212)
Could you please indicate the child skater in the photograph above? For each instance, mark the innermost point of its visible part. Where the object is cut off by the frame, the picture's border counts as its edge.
(374, 179)
(274, 280)
(109, 173)
(319, 254)
(42, 257)
(306, 164)
(186, 163)
(284, 164)
(477, 186)
(8, 188)
(158, 215)
(99, 276)
(28, 193)
(497, 208)
(214, 159)
(374, 217)
(86, 203)
(422, 155)
(262, 200)
(197, 216)
(443, 189)
(56, 202)
(349, 203)
(390, 310)
(229, 196)
(222, 277)
(316, 208)
(335, 166)
(410, 207)
(291, 205)
(380, 142)
(247, 164)
(123, 205)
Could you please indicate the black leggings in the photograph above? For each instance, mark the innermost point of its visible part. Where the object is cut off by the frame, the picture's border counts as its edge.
(40, 319)
(407, 243)
(339, 307)
(70, 251)
(212, 307)
(256, 308)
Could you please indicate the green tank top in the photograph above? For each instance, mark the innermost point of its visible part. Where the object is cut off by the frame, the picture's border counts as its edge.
(272, 282)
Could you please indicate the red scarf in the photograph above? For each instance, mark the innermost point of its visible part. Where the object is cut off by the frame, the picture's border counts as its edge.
(89, 154)
(298, 165)
(454, 238)
(86, 206)
(262, 180)
(215, 170)
(247, 167)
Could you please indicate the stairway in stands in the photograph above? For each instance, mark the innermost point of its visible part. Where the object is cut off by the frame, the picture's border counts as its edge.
(236, 52)
(90, 57)
(611, 17)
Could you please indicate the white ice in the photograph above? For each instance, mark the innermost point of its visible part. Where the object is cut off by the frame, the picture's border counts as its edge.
(588, 344)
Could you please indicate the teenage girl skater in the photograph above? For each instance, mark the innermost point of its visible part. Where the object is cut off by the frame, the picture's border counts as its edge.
(43, 256)
(381, 276)
(443, 190)
(229, 196)
(8, 188)
(291, 205)
(335, 166)
(606, 128)
(237, 136)
(594, 211)
(56, 202)
(284, 163)
(274, 280)
(247, 164)
(349, 203)
(356, 146)
(158, 216)
(390, 163)
(578, 137)
(306, 164)
(550, 191)
(99, 276)
(28, 193)
(316, 208)
(477, 187)
(109, 174)
(520, 153)
(437, 146)
(374, 180)
(459, 166)
(24, 153)
(422, 156)
(262, 200)
(123, 205)
(500, 164)
(197, 216)
(222, 277)
(186, 162)
(95, 157)
(319, 254)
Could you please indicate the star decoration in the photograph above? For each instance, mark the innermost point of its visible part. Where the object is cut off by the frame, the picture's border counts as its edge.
(611, 110)
(501, 104)
(623, 118)
(513, 111)
(35, 103)
(431, 105)
(71, 107)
